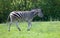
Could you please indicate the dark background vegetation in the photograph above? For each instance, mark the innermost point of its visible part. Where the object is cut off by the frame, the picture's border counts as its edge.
(50, 8)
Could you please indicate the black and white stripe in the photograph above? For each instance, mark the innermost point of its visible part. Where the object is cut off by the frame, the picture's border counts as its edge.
(16, 14)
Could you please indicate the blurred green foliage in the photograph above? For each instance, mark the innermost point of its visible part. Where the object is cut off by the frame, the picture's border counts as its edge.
(50, 8)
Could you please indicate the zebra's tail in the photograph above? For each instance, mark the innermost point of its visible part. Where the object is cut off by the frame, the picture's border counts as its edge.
(8, 18)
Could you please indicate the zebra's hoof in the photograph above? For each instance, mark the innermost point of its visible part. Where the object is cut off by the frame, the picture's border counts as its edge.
(19, 29)
(9, 30)
(28, 29)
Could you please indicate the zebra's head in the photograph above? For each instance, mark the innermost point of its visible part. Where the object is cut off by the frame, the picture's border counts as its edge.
(38, 12)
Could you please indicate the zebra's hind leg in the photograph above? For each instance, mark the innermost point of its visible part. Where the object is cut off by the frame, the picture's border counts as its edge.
(9, 26)
(29, 25)
(17, 23)
(10, 23)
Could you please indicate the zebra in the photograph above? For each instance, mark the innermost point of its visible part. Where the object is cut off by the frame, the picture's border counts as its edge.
(24, 15)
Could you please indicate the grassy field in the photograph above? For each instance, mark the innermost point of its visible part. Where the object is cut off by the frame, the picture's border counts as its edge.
(38, 30)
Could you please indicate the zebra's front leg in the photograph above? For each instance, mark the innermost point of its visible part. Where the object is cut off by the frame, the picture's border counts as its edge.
(29, 25)
(18, 26)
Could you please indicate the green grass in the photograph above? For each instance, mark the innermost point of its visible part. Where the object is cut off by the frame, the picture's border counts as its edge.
(38, 30)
